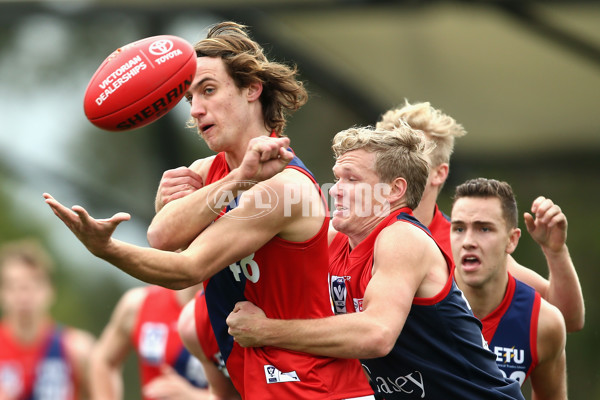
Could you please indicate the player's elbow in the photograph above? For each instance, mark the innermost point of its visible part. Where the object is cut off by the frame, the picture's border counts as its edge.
(379, 342)
(158, 239)
(575, 323)
(183, 280)
(176, 285)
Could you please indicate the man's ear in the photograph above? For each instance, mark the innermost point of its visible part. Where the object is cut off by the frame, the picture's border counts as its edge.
(254, 91)
(439, 174)
(513, 240)
(397, 190)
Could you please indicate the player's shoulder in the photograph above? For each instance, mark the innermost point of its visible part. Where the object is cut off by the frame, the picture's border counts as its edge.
(410, 233)
(129, 305)
(408, 242)
(78, 341)
(202, 165)
(552, 330)
(135, 296)
(551, 315)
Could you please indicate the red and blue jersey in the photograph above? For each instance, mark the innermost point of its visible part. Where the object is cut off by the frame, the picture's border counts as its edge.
(37, 371)
(287, 280)
(511, 330)
(157, 342)
(440, 353)
(439, 228)
(205, 334)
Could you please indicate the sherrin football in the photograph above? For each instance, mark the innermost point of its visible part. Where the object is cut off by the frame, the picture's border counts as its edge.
(139, 83)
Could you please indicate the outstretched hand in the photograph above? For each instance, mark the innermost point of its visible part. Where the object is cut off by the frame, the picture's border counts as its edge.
(244, 324)
(265, 157)
(95, 234)
(549, 227)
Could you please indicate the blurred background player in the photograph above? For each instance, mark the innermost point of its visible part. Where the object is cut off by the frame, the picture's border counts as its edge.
(39, 358)
(145, 322)
(526, 333)
(562, 288)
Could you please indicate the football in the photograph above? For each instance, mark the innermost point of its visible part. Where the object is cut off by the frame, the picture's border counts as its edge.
(139, 83)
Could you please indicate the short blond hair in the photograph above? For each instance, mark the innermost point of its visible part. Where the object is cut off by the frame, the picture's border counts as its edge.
(437, 126)
(401, 152)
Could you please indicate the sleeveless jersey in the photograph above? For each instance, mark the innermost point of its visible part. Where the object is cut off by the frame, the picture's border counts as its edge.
(156, 339)
(40, 371)
(440, 230)
(205, 334)
(440, 353)
(511, 330)
(287, 280)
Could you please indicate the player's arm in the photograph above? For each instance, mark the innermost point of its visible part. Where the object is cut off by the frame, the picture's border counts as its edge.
(219, 385)
(181, 220)
(114, 345)
(170, 385)
(206, 255)
(179, 182)
(368, 334)
(78, 345)
(548, 227)
(549, 377)
(212, 250)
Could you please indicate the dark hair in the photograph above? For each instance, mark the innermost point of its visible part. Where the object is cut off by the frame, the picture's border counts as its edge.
(485, 188)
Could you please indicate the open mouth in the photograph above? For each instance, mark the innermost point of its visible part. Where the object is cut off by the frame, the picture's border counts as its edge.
(470, 262)
(206, 128)
(340, 211)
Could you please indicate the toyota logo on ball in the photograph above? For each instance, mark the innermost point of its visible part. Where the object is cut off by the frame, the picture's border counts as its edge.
(161, 47)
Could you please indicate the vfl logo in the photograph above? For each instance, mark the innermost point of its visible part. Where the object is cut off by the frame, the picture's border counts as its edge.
(273, 375)
(153, 342)
(338, 294)
(160, 47)
(11, 379)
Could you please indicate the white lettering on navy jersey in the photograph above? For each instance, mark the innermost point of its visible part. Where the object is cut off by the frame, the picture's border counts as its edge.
(246, 266)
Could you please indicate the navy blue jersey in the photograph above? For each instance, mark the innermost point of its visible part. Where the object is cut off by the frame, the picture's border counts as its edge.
(441, 352)
(511, 330)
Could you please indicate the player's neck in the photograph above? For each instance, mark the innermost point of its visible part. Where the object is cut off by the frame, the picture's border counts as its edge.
(368, 225)
(26, 330)
(426, 208)
(486, 298)
(235, 154)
